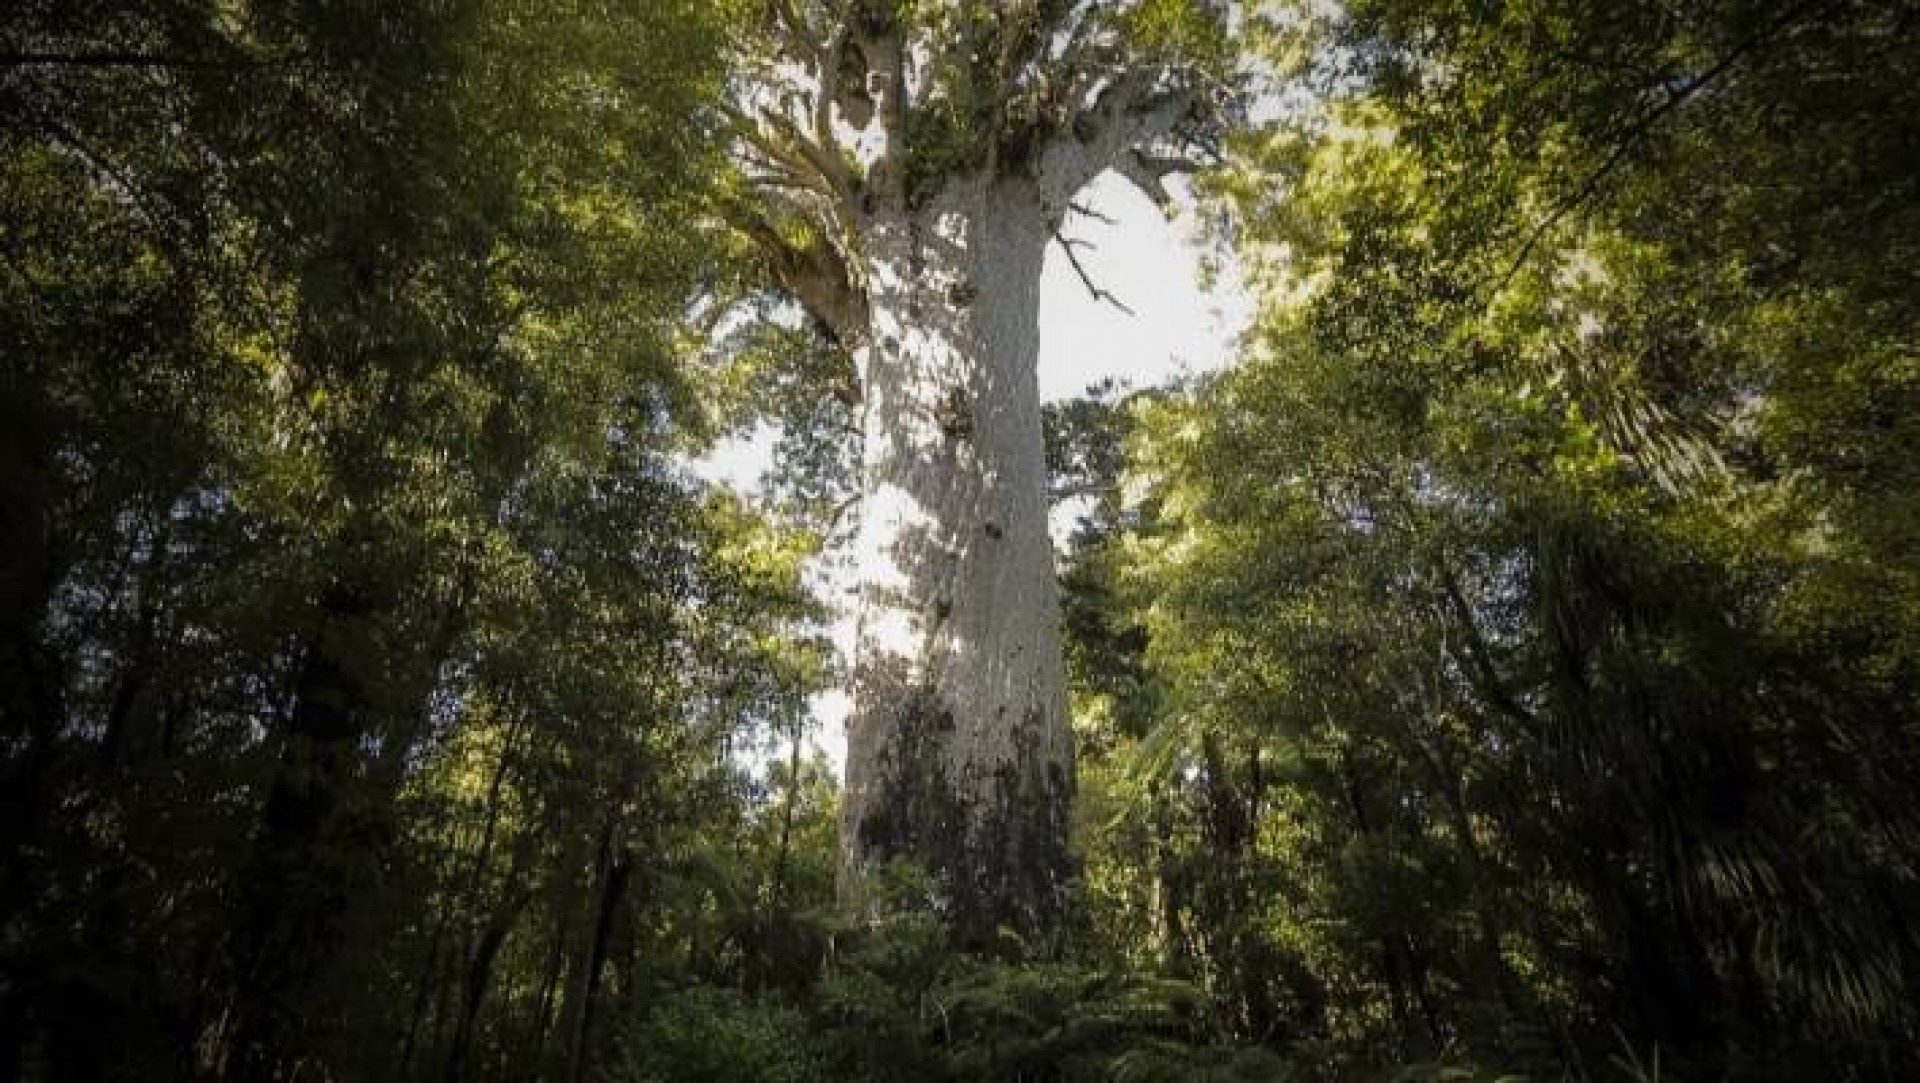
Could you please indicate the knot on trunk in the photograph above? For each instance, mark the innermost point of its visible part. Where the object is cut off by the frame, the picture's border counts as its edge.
(955, 415)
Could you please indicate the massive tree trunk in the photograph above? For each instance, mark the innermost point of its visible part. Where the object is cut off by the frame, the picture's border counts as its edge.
(959, 754)
(913, 165)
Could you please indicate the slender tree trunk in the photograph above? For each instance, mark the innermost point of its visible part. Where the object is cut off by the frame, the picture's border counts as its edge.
(613, 869)
(478, 977)
(766, 962)
(1171, 888)
(552, 975)
(959, 752)
(301, 878)
(462, 899)
(143, 654)
(32, 695)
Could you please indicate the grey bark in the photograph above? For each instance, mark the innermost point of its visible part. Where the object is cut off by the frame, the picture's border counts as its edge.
(923, 262)
(959, 752)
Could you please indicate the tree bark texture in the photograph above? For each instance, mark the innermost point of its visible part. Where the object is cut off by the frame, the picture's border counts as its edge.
(959, 752)
(911, 171)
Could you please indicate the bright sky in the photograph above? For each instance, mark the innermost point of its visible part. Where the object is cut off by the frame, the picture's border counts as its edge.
(1153, 266)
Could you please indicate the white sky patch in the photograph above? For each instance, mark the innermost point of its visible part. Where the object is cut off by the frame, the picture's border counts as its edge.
(1153, 266)
(738, 461)
(1064, 516)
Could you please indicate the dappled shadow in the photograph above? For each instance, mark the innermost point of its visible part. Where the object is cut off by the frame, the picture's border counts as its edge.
(959, 754)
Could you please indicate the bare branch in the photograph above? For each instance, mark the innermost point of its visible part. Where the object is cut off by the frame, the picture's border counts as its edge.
(840, 510)
(1086, 280)
(1085, 211)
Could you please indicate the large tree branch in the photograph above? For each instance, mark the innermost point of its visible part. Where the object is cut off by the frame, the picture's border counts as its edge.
(1483, 672)
(1130, 127)
(795, 34)
(803, 209)
(827, 92)
(1030, 28)
(789, 165)
(885, 53)
(821, 159)
(1149, 172)
(813, 271)
(775, 167)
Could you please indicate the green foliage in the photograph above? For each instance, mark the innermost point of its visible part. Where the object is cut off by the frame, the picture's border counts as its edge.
(719, 1036)
(1509, 666)
(1486, 709)
(792, 379)
(896, 1002)
(357, 611)
(1181, 31)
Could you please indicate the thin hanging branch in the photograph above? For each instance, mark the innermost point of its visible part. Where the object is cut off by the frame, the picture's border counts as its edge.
(1098, 294)
(1085, 211)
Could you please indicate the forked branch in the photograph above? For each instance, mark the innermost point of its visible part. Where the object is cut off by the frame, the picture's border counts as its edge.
(1067, 245)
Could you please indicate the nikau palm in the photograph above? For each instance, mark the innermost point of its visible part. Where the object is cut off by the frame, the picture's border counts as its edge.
(911, 163)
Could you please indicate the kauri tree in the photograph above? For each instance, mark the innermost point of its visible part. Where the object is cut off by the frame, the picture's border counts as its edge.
(908, 164)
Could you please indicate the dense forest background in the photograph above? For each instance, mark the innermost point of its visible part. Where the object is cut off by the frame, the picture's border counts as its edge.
(1509, 668)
